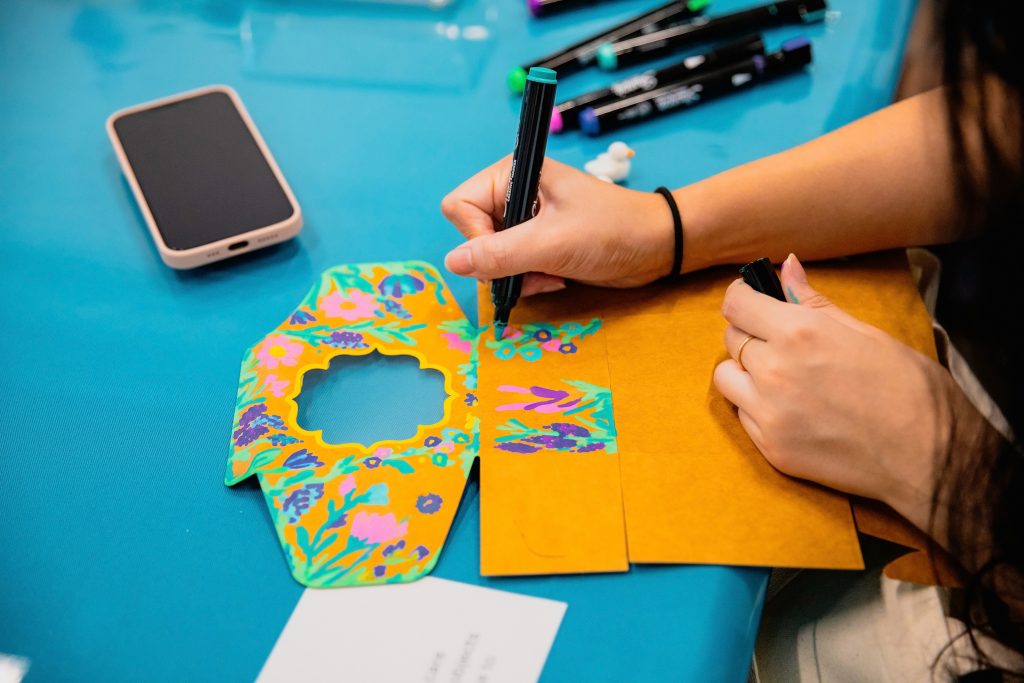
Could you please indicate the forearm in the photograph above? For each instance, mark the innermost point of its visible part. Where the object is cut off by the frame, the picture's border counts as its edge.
(884, 181)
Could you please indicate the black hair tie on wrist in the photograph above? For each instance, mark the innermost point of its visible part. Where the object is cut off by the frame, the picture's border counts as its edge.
(677, 226)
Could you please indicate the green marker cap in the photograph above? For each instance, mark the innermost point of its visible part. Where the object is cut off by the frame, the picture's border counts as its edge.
(606, 57)
(697, 5)
(539, 74)
(516, 80)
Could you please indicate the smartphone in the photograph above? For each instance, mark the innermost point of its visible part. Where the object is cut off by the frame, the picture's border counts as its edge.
(203, 177)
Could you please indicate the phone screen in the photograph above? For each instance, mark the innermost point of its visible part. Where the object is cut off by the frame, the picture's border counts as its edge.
(202, 173)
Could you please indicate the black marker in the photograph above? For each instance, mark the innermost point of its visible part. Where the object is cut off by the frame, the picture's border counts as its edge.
(544, 8)
(524, 179)
(629, 51)
(579, 56)
(761, 277)
(566, 116)
(794, 55)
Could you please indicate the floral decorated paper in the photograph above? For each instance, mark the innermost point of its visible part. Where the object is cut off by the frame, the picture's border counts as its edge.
(550, 492)
(351, 514)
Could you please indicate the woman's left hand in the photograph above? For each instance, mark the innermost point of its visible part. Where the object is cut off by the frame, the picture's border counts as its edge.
(828, 398)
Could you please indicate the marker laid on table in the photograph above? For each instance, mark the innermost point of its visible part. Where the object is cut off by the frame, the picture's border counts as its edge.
(544, 8)
(579, 56)
(794, 55)
(636, 50)
(524, 179)
(566, 115)
(761, 277)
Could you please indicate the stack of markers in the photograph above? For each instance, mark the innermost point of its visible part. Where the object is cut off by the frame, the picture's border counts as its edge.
(677, 26)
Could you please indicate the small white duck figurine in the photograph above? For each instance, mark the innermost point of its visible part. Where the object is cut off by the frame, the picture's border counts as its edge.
(612, 165)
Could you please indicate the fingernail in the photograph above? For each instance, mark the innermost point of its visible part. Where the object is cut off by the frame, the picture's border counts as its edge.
(796, 268)
(460, 260)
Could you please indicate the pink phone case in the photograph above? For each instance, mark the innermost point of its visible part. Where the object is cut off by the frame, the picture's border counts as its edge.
(220, 249)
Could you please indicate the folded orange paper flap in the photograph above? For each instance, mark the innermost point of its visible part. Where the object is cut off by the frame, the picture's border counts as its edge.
(550, 493)
(924, 563)
(695, 487)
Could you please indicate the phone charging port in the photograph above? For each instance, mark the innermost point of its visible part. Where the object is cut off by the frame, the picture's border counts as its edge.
(238, 245)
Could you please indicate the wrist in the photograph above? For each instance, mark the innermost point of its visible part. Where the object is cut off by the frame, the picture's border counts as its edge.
(913, 486)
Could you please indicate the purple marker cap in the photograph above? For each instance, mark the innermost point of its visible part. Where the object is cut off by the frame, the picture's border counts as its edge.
(535, 7)
(556, 121)
(759, 63)
(588, 121)
(795, 44)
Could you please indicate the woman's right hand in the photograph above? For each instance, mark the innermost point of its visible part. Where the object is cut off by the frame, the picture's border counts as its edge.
(586, 229)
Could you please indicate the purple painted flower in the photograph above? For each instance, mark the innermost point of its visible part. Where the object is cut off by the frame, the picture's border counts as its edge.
(548, 441)
(567, 429)
(517, 447)
(549, 404)
(429, 504)
(398, 285)
(347, 340)
(301, 317)
(302, 459)
(542, 335)
(371, 463)
(339, 522)
(300, 500)
(379, 570)
(390, 549)
(421, 552)
(432, 441)
(590, 447)
(246, 434)
(251, 413)
(396, 309)
(568, 347)
(470, 400)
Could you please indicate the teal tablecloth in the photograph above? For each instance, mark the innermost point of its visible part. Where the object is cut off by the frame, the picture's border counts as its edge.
(122, 555)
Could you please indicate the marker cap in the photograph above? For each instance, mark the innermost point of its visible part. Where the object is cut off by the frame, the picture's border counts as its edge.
(539, 74)
(606, 57)
(588, 122)
(556, 121)
(516, 80)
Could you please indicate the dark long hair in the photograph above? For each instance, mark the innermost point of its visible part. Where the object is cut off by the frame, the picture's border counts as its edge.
(982, 488)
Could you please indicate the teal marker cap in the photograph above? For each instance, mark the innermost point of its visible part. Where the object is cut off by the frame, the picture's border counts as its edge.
(606, 57)
(697, 5)
(539, 74)
(516, 80)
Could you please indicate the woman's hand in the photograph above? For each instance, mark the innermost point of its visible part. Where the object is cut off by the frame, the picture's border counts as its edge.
(828, 398)
(586, 229)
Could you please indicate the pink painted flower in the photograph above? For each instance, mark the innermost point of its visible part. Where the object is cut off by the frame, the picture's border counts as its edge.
(274, 385)
(353, 305)
(511, 333)
(454, 342)
(383, 452)
(374, 528)
(347, 486)
(278, 349)
(551, 345)
(445, 447)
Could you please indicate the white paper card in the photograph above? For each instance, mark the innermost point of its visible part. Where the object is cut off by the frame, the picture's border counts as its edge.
(427, 631)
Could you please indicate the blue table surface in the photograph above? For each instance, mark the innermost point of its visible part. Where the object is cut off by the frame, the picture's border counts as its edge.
(122, 555)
